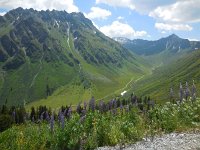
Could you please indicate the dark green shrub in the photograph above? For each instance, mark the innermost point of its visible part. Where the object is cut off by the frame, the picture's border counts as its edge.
(5, 122)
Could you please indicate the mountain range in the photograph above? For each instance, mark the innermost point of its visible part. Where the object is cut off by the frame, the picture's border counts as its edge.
(59, 57)
(175, 60)
(172, 43)
(157, 51)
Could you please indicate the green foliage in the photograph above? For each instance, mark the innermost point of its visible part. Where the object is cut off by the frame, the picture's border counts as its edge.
(99, 129)
(173, 117)
(158, 84)
(69, 138)
(5, 122)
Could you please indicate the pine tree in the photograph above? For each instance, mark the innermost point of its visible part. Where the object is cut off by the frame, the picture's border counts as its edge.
(33, 114)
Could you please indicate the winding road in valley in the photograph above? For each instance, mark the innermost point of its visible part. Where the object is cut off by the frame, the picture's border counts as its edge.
(126, 86)
(122, 89)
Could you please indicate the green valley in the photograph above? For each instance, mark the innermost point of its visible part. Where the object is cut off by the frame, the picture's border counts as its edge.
(182, 70)
(54, 58)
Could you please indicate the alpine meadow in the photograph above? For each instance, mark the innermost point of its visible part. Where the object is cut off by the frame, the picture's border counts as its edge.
(100, 74)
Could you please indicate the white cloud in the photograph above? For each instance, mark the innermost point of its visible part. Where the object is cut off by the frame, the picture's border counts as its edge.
(142, 6)
(118, 3)
(95, 25)
(67, 5)
(118, 29)
(145, 6)
(192, 39)
(170, 27)
(182, 11)
(163, 32)
(185, 11)
(2, 13)
(120, 18)
(98, 13)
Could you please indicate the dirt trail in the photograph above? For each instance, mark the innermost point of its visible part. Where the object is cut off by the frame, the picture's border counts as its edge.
(122, 89)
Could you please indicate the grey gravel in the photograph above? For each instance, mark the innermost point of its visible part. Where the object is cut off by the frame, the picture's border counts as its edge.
(173, 141)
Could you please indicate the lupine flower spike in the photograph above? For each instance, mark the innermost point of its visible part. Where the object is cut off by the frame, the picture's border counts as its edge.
(193, 91)
(52, 122)
(14, 115)
(187, 91)
(171, 93)
(181, 93)
(62, 119)
(92, 104)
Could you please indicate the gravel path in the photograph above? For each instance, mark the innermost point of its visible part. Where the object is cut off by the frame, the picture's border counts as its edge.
(173, 141)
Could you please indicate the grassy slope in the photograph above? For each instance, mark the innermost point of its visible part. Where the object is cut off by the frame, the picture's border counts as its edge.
(181, 70)
(67, 83)
(104, 80)
(18, 83)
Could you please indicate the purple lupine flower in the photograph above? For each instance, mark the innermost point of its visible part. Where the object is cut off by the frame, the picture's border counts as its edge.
(127, 108)
(104, 107)
(114, 111)
(78, 108)
(110, 104)
(114, 107)
(52, 122)
(101, 106)
(69, 112)
(193, 91)
(13, 115)
(85, 105)
(47, 116)
(92, 104)
(65, 112)
(171, 93)
(59, 115)
(121, 107)
(42, 116)
(83, 112)
(25, 117)
(33, 119)
(187, 91)
(82, 119)
(107, 107)
(152, 103)
(62, 120)
(181, 93)
(115, 104)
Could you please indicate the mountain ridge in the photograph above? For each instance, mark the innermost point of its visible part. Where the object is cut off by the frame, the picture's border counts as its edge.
(42, 51)
(182, 70)
(145, 47)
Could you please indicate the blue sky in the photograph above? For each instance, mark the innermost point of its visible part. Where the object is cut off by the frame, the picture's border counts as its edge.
(146, 19)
